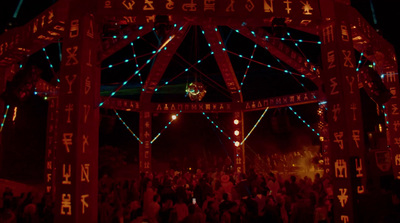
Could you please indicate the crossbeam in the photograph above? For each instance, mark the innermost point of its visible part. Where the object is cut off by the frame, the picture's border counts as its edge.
(113, 45)
(44, 29)
(216, 107)
(298, 12)
(277, 48)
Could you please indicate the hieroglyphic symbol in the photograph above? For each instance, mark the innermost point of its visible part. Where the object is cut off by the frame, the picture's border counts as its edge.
(170, 5)
(70, 81)
(391, 76)
(397, 141)
(344, 218)
(340, 168)
(306, 8)
(90, 32)
(71, 57)
(35, 26)
(336, 112)
(331, 59)
(69, 108)
(393, 91)
(359, 167)
(74, 29)
(50, 16)
(66, 174)
(66, 204)
(107, 4)
(87, 85)
(350, 80)
(338, 139)
(249, 6)
(333, 86)
(191, 7)
(360, 189)
(397, 160)
(288, 9)
(353, 107)
(128, 4)
(343, 196)
(356, 137)
(89, 61)
(268, 7)
(396, 125)
(327, 34)
(344, 33)
(84, 203)
(209, 5)
(85, 139)
(130, 19)
(395, 109)
(238, 160)
(230, 7)
(85, 172)
(67, 141)
(148, 5)
(86, 110)
(347, 59)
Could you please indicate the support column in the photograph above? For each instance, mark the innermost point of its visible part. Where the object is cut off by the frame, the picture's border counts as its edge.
(51, 144)
(344, 111)
(3, 77)
(324, 136)
(391, 80)
(239, 158)
(78, 131)
(145, 146)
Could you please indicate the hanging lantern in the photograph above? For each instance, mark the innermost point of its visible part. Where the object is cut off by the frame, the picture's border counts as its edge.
(196, 91)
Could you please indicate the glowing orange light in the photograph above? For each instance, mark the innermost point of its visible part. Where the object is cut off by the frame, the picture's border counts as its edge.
(236, 132)
(237, 144)
(173, 117)
(235, 121)
(15, 113)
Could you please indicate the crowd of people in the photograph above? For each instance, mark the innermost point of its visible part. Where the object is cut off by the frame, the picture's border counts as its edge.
(201, 197)
(216, 197)
(25, 208)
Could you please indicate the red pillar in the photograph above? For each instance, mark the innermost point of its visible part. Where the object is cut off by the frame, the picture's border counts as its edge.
(344, 111)
(239, 158)
(78, 131)
(392, 113)
(145, 145)
(51, 144)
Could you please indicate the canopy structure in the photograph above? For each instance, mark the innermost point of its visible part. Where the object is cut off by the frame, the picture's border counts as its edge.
(92, 31)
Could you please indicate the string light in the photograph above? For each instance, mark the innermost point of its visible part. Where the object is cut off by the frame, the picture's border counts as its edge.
(248, 65)
(136, 62)
(293, 40)
(4, 118)
(184, 71)
(129, 60)
(173, 118)
(359, 61)
(50, 64)
(308, 125)
(127, 127)
(255, 125)
(135, 73)
(263, 64)
(217, 127)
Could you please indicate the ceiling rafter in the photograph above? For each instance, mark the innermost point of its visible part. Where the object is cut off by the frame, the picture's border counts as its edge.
(217, 46)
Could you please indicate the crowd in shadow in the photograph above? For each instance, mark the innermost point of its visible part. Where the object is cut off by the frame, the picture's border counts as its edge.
(212, 197)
